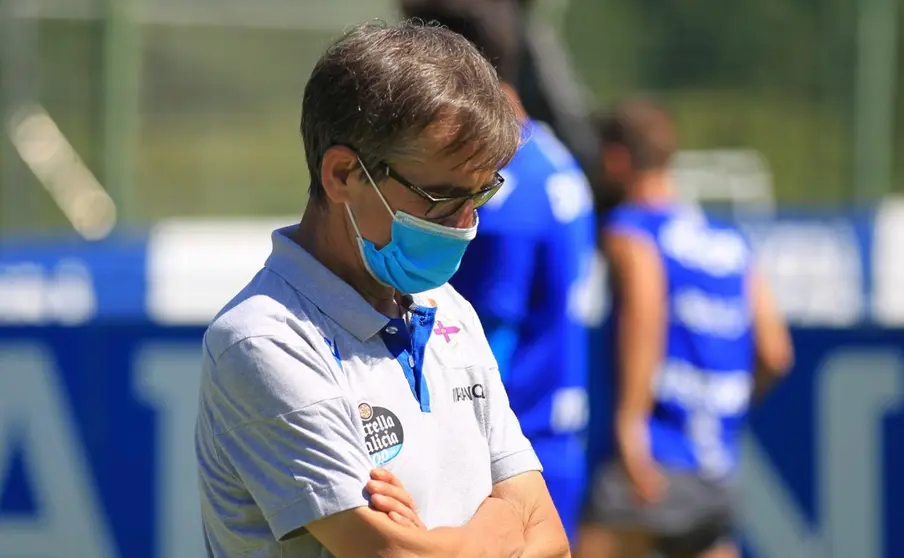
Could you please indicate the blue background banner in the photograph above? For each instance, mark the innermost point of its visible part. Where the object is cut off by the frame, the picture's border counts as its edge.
(98, 400)
(48, 281)
(110, 406)
(96, 454)
(821, 266)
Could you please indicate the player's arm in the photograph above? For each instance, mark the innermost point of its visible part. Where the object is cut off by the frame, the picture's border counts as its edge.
(640, 286)
(774, 352)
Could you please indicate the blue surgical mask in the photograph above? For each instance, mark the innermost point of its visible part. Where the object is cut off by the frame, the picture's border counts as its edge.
(422, 255)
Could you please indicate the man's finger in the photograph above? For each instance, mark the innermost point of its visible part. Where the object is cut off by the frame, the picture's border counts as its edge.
(386, 504)
(401, 519)
(394, 492)
(389, 506)
(386, 476)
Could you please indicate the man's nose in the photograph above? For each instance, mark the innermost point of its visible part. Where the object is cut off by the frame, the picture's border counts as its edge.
(461, 219)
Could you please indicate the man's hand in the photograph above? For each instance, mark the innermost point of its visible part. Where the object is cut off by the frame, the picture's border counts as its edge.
(496, 523)
(646, 478)
(388, 495)
(500, 522)
(544, 535)
(648, 481)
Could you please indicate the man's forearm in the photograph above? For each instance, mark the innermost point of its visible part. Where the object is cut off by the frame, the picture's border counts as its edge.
(543, 533)
(482, 537)
(489, 534)
(545, 540)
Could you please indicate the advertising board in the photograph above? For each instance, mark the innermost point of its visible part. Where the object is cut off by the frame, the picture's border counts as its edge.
(96, 454)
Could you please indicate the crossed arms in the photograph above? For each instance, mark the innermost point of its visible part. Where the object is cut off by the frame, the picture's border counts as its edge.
(518, 519)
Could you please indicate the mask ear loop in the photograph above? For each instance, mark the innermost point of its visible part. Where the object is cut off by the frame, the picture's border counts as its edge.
(348, 209)
(351, 217)
(374, 184)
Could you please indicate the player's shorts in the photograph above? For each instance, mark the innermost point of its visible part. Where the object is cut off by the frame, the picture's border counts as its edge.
(695, 515)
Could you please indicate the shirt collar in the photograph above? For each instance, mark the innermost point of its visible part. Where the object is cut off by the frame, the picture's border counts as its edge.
(333, 296)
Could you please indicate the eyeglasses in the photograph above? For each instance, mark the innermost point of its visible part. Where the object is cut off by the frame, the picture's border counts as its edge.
(442, 207)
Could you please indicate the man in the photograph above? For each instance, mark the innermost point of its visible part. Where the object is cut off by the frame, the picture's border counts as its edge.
(697, 332)
(348, 349)
(528, 271)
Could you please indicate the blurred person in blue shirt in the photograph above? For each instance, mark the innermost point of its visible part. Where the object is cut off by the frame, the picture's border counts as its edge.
(697, 334)
(530, 271)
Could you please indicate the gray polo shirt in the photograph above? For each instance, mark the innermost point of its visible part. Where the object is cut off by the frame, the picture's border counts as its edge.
(305, 388)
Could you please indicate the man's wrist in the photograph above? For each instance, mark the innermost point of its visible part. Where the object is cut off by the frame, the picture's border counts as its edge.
(467, 541)
(632, 437)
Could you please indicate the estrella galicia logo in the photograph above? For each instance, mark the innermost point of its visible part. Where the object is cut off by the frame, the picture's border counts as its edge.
(383, 434)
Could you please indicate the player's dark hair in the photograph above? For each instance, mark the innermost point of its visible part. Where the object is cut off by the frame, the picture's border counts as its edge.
(644, 129)
(493, 26)
(379, 87)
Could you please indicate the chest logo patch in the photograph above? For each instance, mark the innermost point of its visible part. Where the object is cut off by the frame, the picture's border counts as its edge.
(383, 433)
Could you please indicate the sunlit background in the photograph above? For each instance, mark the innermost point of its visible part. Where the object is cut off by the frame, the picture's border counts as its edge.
(149, 146)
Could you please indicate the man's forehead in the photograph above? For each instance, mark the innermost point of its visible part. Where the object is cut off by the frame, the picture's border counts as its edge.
(437, 164)
(444, 174)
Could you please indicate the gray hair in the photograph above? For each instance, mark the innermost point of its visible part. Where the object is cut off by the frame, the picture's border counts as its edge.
(379, 88)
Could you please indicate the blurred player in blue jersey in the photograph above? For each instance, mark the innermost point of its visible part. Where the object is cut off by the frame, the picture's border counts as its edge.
(529, 272)
(697, 334)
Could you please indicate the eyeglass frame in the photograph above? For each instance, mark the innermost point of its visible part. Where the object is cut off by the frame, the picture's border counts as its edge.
(493, 188)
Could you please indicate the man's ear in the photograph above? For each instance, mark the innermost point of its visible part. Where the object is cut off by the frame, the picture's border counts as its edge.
(338, 170)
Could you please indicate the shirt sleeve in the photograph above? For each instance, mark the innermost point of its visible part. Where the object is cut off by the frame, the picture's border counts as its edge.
(289, 434)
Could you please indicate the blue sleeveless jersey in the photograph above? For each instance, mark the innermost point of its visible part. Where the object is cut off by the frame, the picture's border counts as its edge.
(530, 275)
(703, 386)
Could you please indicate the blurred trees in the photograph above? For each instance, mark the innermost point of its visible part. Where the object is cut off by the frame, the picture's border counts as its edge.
(775, 75)
(219, 102)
